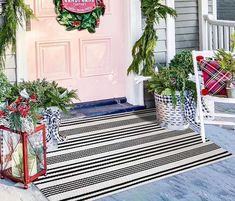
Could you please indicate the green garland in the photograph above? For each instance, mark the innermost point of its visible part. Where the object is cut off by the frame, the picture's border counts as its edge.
(73, 21)
(14, 13)
(143, 50)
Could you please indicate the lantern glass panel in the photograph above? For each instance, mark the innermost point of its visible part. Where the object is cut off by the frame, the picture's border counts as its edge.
(35, 153)
(12, 154)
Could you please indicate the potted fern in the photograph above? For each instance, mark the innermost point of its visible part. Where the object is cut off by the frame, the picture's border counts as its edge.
(171, 86)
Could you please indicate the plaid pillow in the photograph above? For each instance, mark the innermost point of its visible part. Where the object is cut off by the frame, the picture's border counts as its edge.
(214, 77)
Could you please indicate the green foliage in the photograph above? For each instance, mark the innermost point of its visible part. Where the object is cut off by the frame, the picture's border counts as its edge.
(14, 12)
(73, 21)
(226, 60)
(233, 43)
(48, 93)
(169, 81)
(143, 50)
(184, 61)
(5, 86)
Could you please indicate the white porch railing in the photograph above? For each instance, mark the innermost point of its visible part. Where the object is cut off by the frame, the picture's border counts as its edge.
(218, 33)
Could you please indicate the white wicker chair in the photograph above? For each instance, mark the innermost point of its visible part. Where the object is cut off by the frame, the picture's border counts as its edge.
(213, 117)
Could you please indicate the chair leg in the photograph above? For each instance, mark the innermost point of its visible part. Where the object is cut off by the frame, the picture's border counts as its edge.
(203, 135)
(202, 125)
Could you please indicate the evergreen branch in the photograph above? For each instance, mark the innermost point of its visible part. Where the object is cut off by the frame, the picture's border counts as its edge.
(143, 50)
(14, 13)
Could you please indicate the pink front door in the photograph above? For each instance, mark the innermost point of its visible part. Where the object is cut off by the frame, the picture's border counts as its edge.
(91, 63)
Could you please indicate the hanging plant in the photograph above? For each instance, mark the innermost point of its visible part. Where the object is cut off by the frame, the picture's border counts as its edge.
(79, 21)
(143, 50)
(14, 13)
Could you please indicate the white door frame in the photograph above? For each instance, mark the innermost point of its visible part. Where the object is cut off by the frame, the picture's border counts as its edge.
(170, 33)
(133, 28)
(21, 54)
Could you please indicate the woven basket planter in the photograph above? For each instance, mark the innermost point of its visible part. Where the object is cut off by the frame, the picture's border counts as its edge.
(168, 115)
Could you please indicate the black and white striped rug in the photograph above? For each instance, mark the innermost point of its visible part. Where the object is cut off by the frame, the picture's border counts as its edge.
(104, 155)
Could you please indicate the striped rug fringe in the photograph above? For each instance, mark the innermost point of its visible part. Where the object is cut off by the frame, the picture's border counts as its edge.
(104, 155)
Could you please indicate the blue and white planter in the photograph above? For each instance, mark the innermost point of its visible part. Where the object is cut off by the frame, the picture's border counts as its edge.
(170, 116)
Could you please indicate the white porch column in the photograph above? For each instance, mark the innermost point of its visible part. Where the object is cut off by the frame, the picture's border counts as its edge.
(170, 33)
(203, 10)
(21, 63)
(134, 91)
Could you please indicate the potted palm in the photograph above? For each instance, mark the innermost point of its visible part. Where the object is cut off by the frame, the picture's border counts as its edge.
(171, 86)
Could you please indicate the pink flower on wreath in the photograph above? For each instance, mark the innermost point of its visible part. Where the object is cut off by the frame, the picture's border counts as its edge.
(76, 23)
(97, 22)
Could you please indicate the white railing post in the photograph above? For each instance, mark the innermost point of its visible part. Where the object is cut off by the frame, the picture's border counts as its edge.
(214, 9)
(170, 25)
(203, 10)
(218, 33)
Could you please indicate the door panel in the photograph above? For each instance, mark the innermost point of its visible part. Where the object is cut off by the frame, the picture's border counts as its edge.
(91, 63)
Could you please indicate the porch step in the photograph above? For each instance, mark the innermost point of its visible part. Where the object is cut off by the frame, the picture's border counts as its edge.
(100, 103)
(102, 107)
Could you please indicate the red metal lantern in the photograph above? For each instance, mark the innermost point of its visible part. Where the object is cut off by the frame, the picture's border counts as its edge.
(23, 155)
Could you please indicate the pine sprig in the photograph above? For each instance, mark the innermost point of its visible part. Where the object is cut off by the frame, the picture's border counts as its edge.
(14, 13)
(48, 94)
(143, 50)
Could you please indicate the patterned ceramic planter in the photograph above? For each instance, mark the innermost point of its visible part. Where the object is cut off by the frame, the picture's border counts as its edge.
(168, 115)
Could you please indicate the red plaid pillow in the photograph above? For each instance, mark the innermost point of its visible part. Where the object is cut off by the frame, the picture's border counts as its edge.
(214, 77)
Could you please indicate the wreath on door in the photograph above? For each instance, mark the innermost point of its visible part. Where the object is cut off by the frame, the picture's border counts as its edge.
(75, 19)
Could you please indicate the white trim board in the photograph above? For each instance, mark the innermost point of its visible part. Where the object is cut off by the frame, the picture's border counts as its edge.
(170, 33)
(133, 27)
